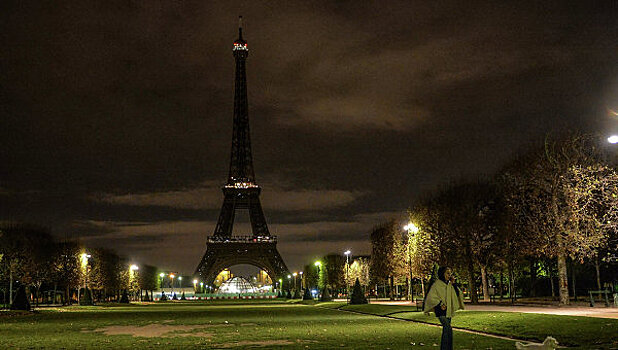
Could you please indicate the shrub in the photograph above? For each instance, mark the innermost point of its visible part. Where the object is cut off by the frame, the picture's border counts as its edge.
(307, 295)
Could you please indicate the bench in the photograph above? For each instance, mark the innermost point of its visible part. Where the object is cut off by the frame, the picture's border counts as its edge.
(599, 292)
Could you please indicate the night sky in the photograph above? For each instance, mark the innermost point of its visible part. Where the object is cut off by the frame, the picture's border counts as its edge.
(116, 116)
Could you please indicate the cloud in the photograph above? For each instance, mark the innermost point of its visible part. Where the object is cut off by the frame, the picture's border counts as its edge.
(208, 196)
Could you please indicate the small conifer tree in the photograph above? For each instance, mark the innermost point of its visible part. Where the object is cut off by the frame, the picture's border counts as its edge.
(358, 297)
(288, 295)
(124, 299)
(182, 297)
(86, 299)
(21, 300)
(163, 297)
(326, 295)
(307, 295)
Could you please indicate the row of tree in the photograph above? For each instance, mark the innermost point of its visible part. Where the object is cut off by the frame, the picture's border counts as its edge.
(52, 271)
(555, 204)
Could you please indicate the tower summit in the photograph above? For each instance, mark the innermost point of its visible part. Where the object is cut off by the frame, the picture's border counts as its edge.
(223, 249)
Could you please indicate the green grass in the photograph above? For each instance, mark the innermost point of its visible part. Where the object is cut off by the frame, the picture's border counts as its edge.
(223, 325)
(576, 331)
(286, 325)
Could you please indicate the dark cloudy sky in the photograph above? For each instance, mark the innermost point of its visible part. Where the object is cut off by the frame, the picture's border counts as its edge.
(116, 116)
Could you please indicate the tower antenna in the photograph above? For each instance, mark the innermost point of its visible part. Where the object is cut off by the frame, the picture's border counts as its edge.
(240, 27)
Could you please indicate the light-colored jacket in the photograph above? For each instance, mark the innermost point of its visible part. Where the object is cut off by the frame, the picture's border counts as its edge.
(444, 293)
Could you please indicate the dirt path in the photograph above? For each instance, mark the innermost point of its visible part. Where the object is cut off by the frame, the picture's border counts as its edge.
(600, 312)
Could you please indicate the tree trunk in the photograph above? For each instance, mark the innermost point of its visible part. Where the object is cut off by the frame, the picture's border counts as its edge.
(551, 280)
(391, 290)
(485, 284)
(598, 270)
(532, 277)
(563, 283)
(573, 280)
(10, 285)
(474, 298)
(423, 287)
(511, 284)
(501, 283)
(54, 297)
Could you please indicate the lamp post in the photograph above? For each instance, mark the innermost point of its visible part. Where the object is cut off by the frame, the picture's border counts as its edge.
(318, 264)
(172, 278)
(201, 287)
(412, 230)
(295, 274)
(302, 282)
(132, 270)
(84, 262)
(347, 272)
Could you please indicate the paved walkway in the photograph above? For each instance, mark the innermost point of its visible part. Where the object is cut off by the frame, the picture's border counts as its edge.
(576, 310)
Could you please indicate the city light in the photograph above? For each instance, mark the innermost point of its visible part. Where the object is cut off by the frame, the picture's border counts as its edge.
(613, 139)
(194, 281)
(134, 267)
(162, 275)
(347, 252)
(318, 263)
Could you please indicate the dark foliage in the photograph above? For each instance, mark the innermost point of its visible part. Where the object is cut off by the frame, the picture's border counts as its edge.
(307, 295)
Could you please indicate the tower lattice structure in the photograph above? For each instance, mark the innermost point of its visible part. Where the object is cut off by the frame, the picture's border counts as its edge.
(241, 192)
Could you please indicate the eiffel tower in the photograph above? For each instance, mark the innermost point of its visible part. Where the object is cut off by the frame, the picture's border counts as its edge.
(241, 192)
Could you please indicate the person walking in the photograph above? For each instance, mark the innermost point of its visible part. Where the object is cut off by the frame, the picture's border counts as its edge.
(443, 299)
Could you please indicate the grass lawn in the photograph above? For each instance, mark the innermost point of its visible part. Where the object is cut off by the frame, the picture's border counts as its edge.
(575, 331)
(220, 325)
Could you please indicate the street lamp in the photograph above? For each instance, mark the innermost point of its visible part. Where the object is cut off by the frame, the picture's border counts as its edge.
(613, 139)
(302, 282)
(347, 274)
(294, 274)
(172, 278)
